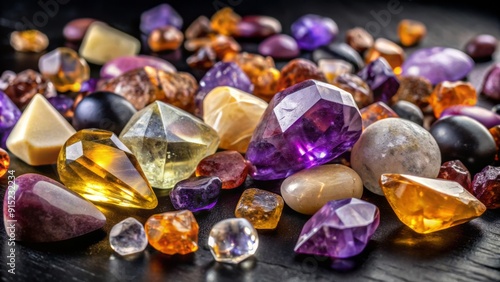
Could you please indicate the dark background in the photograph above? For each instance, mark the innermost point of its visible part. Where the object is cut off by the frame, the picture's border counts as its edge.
(469, 252)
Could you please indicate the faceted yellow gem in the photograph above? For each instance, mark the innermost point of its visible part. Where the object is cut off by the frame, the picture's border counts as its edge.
(168, 143)
(97, 165)
(65, 69)
(29, 41)
(447, 94)
(332, 68)
(388, 50)
(173, 232)
(411, 32)
(39, 134)
(262, 208)
(426, 204)
(103, 43)
(234, 114)
(224, 21)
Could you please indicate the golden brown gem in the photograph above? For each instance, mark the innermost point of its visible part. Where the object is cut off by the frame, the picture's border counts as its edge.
(4, 162)
(447, 94)
(262, 208)
(204, 58)
(388, 50)
(376, 112)
(225, 21)
(357, 87)
(165, 38)
(198, 28)
(411, 32)
(414, 89)
(298, 70)
(359, 39)
(29, 41)
(26, 84)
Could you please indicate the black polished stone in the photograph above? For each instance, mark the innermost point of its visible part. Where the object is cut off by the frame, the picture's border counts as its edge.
(409, 111)
(341, 51)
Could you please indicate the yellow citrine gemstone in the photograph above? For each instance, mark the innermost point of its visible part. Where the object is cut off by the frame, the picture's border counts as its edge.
(411, 32)
(426, 204)
(225, 21)
(173, 232)
(261, 208)
(448, 93)
(97, 165)
(29, 41)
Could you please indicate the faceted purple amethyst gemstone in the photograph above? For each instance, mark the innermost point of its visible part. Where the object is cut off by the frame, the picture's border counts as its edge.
(62, 103)
(196, 194)
(438, 64)
(159, 16)
(313, 31)
(9, 115)
(491, 83)
(340, 229)
(121, 65)
(484, 116)
(279, 46)
(89, 85)
(46, 211)
(308, 124)
(221, 74)
(379, 76)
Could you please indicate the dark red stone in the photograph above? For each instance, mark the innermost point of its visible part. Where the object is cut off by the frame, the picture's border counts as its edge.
(229, 166)
(491, 83)
(481, 47)
(455, 170)
(486, 187)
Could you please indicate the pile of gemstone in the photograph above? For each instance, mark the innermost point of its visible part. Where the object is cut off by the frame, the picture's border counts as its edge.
(359, 115)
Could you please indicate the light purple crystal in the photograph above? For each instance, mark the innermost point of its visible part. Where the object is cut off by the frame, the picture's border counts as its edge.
(9, 115)
(159, 16)
(305, 125)
(491, 83)
(313, 31)
(196, 194)
(221, 74)
(381, 79)
(90, 85)
(340, 229)
(121, 65)
(438, 64)
(62, 103)
(484, 116)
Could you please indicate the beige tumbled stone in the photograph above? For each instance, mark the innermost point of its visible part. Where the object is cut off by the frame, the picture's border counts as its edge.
(103, 43)
(234, 114)
(310, 189)
(39, 134)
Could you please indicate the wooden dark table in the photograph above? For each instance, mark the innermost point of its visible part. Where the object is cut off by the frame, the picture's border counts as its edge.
(468, 252)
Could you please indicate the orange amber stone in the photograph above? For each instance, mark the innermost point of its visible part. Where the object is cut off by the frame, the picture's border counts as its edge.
(29, 41)
(359, 39)
(495, 132)
(448, 93)
(222, 45)
(225, 21)
(388, 50)
(414, 89)
(173, 232)
(376, 112)
(298, 70)
(204, 58)
(165, 38)
(4, 162)
(411, 32)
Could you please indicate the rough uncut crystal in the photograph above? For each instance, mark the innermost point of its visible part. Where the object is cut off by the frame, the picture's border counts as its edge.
(376, 112)
(229, 166)
(388, 50)
(233, 240)
(486, 187)
(63, 104)
(414, 89)
(381, 79)
(97, 165)
(121, 65)
(411, 32)
(426, 204)
(262, 208)
(128, 237)
(312, 31)
(158, 16)
(234, 114)
(455, 170)
(204, 58)
(165, 38)
(225, 21)
(196, 193)
(45, 211)
(298, 70)
(9, 115)
(4, 162)
(447, 94)
(200, 27)
(26, 85)
(340, 229)
(168, 143)
(29, 41)
(308, 124)
(359, 39)
(173, 232)
(64, 68)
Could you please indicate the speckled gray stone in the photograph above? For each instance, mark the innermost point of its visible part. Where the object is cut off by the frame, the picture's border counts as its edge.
(394, 145)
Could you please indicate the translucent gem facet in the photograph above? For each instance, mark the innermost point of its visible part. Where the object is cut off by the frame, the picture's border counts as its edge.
(196, 193)
(229, 166)
(262, 208)
(128, 237)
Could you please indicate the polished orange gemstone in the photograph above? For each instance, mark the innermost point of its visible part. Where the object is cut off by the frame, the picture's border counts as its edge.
(447, 94)
(495, 132)
(165, 38)
(414, 89)
(411, 32)
(225, 21)
(376, 112)
(29, 41)
(224, 45)
(173, 232)
(4, 162)
(298, 70)
(388, 50)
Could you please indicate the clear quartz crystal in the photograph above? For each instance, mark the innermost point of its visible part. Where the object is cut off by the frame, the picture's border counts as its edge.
(233, 240)
(128, 237)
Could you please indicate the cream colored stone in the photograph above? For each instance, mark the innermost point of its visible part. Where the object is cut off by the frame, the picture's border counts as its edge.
(308, 190)
(103, 43)
(234, 114)
(39, 134)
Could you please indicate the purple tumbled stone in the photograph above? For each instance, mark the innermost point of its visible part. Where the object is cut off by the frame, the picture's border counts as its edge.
(484, 116)
(196, 194)
(340, 229)
(159, 16)
(305, 125)
(221, 74)
(491, 83)
(279, 46)
(481, 46)
(121, 65)
(62, 103)
(257, 26)
(9, 115)
(90, 85)
(381, 79)
(313, 31)
(46, 211)
(438, 64)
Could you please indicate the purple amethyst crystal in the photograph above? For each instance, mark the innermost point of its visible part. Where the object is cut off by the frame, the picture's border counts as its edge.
(340, 229)
(159, 16)
(197, 193)
(379, 76)
(491, 83)
(305, 125)
(313, 31)
(9, 115)
(221, 74)
(62, 103)
(121, 65)
(46, 211)
(89, 85)
(438, 64)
